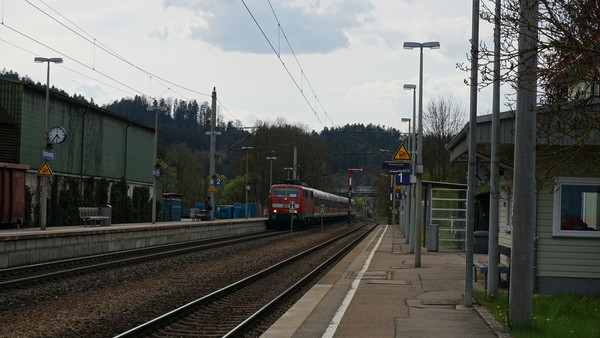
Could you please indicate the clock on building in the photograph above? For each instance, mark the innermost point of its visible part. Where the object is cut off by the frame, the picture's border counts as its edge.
(57, 135)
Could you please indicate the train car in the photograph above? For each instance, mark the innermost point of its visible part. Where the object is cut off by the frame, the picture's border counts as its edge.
(303, 204)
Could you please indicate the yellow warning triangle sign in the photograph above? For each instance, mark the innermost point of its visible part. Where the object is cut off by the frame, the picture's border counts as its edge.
(45, 170)
(212, 188)
(401, 154)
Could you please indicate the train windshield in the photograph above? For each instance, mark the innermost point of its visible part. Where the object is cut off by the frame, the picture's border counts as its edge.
(286, 192)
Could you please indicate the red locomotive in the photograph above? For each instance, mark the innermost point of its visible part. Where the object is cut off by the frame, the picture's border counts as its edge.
(306, 206)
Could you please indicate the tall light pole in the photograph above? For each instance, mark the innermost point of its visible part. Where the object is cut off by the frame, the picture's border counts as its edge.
(247, 187)
(408, 208)
(288, 171)
(271, 158)
(155, 173)
(45, 145)
(419, 165)
(413, 144)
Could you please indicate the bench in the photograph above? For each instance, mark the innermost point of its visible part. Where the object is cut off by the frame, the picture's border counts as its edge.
(91, 214)
(483, 268)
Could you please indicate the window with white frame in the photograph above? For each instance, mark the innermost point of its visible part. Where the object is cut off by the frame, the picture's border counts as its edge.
(577, 207)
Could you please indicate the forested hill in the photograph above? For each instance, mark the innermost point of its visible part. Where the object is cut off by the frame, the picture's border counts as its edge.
(185, 122)
(360, 146)
(350, 146)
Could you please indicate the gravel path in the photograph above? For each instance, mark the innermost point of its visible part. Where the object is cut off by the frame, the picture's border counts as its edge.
(107, 303)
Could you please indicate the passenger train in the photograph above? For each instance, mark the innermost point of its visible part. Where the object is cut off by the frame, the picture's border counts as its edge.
(303, 204)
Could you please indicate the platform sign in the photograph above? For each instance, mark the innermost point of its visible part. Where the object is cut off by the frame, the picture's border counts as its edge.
(48, 154)
(398, 196)
(45, 170)
(395, 165)
(401, 154)
(403, 178)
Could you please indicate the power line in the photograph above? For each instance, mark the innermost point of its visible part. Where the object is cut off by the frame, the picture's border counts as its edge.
(302, 73)
(103, 47)
(283, 63)
(96, 43)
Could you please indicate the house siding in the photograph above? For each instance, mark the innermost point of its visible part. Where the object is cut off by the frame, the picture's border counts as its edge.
(560, 256)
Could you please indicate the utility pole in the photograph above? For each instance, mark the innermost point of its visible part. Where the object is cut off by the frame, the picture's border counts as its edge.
(155, 173)
(524, 217)
(295, 162)
(43, 193)
(492, 276)
(213, 146)
(350, 192)
(246, 186)
(472, 157)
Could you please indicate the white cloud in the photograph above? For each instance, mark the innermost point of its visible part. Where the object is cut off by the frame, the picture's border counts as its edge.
(350, 51)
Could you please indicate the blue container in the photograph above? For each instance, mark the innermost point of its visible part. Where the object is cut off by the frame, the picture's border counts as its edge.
(240, 210)
(224, 211)
(166, 209)
(171, 209)
(199, 205)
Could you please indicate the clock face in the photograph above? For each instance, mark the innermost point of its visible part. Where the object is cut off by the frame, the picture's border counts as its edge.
(57, 135)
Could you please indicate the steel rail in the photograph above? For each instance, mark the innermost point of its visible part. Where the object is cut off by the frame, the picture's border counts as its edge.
(172, 316)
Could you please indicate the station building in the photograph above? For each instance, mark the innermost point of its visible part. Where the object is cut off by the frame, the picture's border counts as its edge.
(567, 229)
(99, 144)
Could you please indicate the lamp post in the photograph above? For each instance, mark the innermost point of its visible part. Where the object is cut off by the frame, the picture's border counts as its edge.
(271, 158)
(410, 199)
(413, 144)
(288, 171)
(247, 187)
(45, 145)
(154, 171)
(419, 164)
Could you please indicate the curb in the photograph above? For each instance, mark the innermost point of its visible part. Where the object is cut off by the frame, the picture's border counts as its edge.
(491, 322)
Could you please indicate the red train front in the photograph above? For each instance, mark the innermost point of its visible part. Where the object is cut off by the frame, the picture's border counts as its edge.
(306, 206)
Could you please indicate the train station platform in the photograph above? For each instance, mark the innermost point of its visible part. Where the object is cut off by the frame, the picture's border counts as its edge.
(376, 291)
(33, 245)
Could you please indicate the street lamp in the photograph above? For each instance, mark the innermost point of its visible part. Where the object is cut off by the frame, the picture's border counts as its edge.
(271, 158)
(419, 165)
(155, 172)
(45, 145)
(410, 199)
(288, 171)
(411, 247)
(247, 186)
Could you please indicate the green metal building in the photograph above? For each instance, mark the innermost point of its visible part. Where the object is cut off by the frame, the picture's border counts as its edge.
(99, 143)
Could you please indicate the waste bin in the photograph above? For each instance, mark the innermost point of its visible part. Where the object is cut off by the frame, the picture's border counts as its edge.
(481, 241)
(433, 237)
(106, 210)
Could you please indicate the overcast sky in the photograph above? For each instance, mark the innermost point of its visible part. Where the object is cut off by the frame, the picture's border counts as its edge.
(349, 64)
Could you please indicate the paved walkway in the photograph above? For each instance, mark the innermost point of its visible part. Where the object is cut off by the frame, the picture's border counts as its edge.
(376, 292)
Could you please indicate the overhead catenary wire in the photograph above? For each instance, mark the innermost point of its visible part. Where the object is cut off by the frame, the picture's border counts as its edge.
(302, 73)
(96, 44)
(278, 54)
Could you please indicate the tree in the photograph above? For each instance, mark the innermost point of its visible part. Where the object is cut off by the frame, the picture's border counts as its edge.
(442, 120)
(568, 74)
(186, 175)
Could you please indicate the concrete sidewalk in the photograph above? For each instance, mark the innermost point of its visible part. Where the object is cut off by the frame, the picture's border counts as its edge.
(376, 292)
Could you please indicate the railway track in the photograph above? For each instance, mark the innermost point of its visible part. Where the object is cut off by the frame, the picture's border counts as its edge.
(233, 309)
(39, 273)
